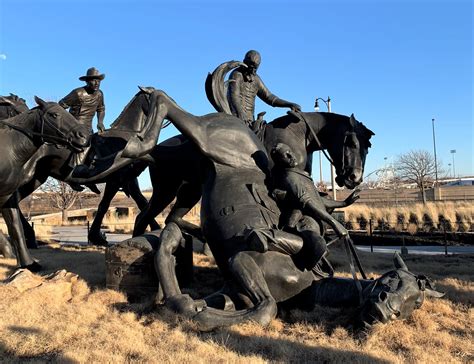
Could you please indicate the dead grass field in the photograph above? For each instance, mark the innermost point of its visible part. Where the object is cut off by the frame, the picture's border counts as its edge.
(460, 215)
(92, 324)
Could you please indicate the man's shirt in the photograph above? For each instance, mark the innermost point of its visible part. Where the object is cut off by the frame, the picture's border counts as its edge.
(83, 105)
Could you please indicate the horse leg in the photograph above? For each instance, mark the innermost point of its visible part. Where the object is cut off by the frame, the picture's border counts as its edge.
(140, 200)
(30, 235)
(23, 192)
(187, 197)
(6, 248)
(161, 197)
(95, 237)
(12, 218)
(170, 240)
(249, 276)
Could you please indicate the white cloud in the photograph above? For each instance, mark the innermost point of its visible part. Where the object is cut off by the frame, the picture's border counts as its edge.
(3, 56)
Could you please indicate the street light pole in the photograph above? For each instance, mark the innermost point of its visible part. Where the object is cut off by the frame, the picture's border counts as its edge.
(453, 152)
(316, 108)
(434, 147)
(333, 170)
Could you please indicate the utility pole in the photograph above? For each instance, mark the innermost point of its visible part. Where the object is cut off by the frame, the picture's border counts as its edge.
(434, 147)
(333, 169)
(453, 152)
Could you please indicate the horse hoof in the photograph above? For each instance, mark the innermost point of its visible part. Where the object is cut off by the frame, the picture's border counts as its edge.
(33, 267)
(182, 304)
(98, 240)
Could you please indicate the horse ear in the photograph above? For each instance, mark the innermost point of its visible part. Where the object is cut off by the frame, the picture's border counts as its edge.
(430, 290)
(398, 262)
(147, 90)
(4, 100)
(40, 102)
(432, 293)
(352, 121)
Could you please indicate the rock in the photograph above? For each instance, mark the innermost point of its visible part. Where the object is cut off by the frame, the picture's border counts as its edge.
(58, 286)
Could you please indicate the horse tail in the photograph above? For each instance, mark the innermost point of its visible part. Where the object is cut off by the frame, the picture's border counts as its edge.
(216, 86)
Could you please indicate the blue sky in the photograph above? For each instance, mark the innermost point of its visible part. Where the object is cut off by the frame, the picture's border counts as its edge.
(394, 64)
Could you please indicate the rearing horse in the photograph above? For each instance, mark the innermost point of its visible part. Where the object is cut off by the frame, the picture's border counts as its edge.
(235, 197)
(175, 171)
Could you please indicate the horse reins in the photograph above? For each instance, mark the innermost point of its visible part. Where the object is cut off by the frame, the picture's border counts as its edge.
(348, 243)
(300, 116)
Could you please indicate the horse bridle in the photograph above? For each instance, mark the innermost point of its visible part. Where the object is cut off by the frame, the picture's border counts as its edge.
(348, 243)
(300, 116)
(62, 139)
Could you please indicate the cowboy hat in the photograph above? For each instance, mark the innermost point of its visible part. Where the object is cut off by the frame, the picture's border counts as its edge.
(91, 74)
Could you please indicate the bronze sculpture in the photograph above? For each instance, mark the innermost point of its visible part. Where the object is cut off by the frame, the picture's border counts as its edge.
(264, 259)
(21, 137)
(235, 196)
(243, 86)
(11, 105)
(52, 161)
(83, 103)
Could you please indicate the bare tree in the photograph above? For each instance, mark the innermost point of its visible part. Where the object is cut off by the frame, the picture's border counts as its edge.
(417, 166)
(60, 195)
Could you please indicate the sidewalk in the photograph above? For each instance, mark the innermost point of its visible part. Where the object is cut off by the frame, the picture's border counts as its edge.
(77, 235)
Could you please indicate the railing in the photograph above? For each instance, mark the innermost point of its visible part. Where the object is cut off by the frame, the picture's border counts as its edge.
(368, 232)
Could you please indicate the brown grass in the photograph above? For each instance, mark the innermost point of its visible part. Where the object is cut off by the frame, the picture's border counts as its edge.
(119, 224)
(390, 214)
(42, 231)
(97, 325)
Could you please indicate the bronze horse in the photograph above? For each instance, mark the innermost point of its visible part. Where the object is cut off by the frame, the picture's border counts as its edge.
(21, 137)
(11, 106)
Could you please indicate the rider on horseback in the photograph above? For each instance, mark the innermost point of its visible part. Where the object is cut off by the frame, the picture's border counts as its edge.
(245, 85)
(83, 103)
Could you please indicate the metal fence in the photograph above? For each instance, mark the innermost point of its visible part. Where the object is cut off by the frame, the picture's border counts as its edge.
(371, 233)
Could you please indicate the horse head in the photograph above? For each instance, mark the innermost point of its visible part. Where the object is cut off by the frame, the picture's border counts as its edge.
(133, 116)
(348, 150)
(395, 295)
(55, 125)
(11, 106)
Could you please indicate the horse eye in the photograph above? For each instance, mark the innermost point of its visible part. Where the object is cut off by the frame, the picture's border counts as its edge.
(351, 142)
(54, 114)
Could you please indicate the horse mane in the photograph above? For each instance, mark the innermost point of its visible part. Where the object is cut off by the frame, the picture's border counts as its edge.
(19, 119)
(360, 129)
(125, 109)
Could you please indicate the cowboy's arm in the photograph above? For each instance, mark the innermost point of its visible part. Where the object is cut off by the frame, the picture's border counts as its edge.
(101, 114)
(235, 82)
(265, 95)
(69, 100)
(317, 210)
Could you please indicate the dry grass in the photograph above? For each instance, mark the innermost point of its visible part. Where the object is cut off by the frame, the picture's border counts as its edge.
(97, 325)
(42, 231)
(459, 214)
(119, 224)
